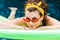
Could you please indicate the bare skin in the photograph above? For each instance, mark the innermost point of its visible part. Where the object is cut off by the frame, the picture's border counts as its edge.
(9, 25)
(13, 24)
(53, 23)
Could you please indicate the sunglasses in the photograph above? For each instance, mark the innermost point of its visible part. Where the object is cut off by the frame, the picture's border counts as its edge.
(28, 19)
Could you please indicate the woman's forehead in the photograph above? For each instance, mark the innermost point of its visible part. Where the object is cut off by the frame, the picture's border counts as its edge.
(32, 14)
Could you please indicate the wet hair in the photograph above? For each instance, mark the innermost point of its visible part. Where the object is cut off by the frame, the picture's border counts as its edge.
(43, 6)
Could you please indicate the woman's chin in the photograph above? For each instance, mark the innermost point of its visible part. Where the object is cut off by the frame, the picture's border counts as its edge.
(32, 27)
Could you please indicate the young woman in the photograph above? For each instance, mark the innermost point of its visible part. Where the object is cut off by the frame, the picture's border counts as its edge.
(36, 17)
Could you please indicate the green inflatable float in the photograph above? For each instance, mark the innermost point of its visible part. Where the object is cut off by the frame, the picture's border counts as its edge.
(29, 34)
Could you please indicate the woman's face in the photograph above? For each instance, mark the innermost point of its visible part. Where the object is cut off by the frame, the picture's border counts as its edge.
(33, 19)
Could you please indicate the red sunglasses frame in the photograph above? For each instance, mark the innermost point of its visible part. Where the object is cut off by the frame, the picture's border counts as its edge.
(28, 19)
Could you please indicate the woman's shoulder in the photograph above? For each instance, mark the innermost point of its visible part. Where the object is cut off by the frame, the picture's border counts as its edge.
(52, 21)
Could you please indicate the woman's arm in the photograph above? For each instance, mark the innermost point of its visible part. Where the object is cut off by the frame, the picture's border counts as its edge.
(49, 27)
(12, 24)
(5, 25)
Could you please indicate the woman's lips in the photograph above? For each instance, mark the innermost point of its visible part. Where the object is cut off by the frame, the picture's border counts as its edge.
(31, 27)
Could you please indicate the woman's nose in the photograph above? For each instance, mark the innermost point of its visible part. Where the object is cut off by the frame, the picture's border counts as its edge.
(31, 23)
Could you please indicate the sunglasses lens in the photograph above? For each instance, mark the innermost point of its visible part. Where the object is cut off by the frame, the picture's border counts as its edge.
(27, 19)
(34, 20)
